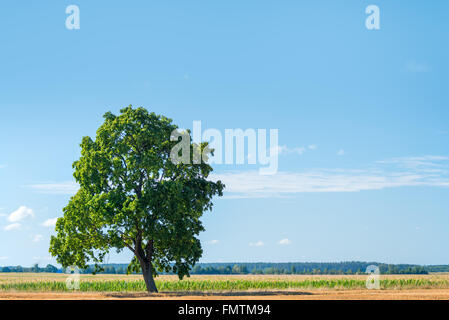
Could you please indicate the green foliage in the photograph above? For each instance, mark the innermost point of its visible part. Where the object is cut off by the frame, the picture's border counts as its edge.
(132, 196)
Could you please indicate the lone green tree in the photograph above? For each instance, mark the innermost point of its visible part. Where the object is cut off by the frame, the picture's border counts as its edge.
(132, 195)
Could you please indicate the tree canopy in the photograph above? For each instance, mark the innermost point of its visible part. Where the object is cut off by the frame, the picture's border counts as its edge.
(132, 195)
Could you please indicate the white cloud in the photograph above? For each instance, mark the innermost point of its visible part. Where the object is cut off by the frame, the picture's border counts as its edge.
(49, 222)
(284, 242)
(416, 67)
(3, 258)
(37, 238)
(213, 242)
(430, 171)
(286, 150)
(341, 152)
(12, 226)
(20, 214)
(427, 170)
(42, 258)
(2, 166)
(421, 162)
(66, 187)
(256, 244)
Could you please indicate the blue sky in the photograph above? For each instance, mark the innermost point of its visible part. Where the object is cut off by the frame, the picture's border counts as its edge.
(363, 118)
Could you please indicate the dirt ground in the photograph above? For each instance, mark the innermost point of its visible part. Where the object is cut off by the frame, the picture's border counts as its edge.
(416, 294)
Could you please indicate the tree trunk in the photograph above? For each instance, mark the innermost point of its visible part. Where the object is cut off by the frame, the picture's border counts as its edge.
(145, 260)
(148, 277)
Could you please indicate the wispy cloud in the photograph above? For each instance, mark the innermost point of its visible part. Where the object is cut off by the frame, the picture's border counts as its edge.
(416, 67)
(66, 187)
(20, 214)
(49, 222)
(42, 258)
(398, 172)
(12, 226)
(429, 170)
(213, 242)
(2, 166)
(38, 237)
(341, 152)
(284, 242)
(256, 244)
(284, 150)
(428, 163)
(3, 258)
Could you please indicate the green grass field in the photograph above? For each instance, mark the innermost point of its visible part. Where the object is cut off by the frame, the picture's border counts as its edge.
(209, 285)
(216, 284)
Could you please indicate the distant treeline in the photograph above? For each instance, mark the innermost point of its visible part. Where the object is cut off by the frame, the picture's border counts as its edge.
(352, 267)
(35, 268)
